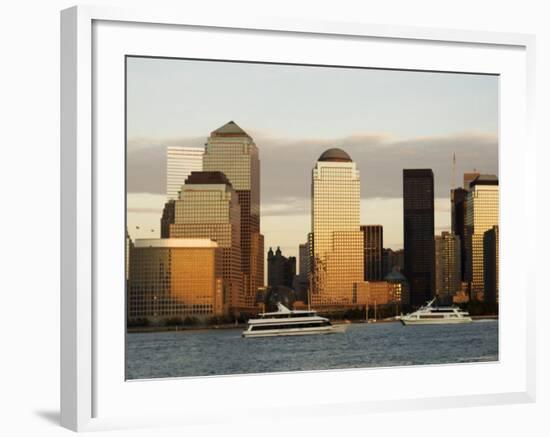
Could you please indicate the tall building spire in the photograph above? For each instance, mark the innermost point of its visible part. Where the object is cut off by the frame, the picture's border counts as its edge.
(453, 175)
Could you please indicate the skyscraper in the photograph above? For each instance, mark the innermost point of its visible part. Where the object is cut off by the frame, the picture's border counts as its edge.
(280, 269)
(458, 222)
(458, 216)
(447, 266)
(373, 247)
(232, 151)
(180, 162)
(336, 240)
(418, 227)
(168, 216)
(491, 264)
(208, 208)
(482, 215)
(303, 262)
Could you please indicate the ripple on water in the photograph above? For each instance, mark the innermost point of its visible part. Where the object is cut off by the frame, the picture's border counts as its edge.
(224, 352)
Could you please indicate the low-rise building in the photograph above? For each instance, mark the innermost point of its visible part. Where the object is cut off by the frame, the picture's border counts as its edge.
(174, 278)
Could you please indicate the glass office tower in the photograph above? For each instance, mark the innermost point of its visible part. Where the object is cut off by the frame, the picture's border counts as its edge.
(336, 242)
(482, 214)
(232, 151)
(418, 233)
(208, 208)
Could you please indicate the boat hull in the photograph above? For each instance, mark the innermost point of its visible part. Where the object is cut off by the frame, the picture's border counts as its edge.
(334, 329)
(449, 321)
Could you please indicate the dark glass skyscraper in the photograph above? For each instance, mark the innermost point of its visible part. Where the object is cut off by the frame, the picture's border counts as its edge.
(418, 230)
(491, 265)
(458, 223)
(373, 246)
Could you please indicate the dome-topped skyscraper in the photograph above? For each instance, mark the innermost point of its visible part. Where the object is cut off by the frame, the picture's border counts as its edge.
(336, 237)
(334, 155)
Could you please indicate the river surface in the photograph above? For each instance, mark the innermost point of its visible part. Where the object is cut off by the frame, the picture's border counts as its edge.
(224, 351)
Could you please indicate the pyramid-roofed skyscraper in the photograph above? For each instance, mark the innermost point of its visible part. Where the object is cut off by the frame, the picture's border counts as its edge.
(232, 151)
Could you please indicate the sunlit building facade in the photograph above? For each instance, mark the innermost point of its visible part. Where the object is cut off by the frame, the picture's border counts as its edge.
(174, 278)
(336, 241)
(232, 151)
(482, 215)
(380, 293)
(180, 162)
(208, 208)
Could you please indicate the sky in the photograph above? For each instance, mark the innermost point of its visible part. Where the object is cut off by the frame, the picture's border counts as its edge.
(386, 120)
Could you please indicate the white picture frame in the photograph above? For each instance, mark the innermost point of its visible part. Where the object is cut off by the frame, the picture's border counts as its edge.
(93, 395)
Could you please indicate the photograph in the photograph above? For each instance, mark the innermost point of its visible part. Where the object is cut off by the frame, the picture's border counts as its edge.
(296, 217)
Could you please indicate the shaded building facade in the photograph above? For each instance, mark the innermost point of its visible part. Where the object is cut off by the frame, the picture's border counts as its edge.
(336, 241)
(491, 264)
(447, 266)
(392, 260)
(482, 215)
(280, 269)
(373, 247)
(418, 236)
(174, 278)
(458, 222)
(168, 217)
(232, 151)
(208, 208)
(301, 280)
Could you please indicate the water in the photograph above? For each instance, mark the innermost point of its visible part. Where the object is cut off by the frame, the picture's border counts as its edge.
(223, 352)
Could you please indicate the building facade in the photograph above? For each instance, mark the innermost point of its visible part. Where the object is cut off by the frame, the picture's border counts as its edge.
(491, 264)
(180, 162)
(304, 264)
(373, 248)
(482, 215)
(392, 260)
(447, 266)
(458, 222)
(172, 278)
(168, 217)
(379, 293)
(232, 151)
(336, 241)
(280, 269)
(418, 227)
(208, 207)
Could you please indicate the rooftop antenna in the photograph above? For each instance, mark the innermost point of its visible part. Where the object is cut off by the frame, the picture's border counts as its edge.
(453, 174)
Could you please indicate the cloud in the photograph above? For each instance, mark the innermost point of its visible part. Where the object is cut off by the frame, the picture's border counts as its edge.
(286, 163)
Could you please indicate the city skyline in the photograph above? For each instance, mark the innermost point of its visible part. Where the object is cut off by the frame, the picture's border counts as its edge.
(416, 139)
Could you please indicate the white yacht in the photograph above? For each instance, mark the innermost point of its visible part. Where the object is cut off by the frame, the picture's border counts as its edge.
(290, 322)
(429, 315)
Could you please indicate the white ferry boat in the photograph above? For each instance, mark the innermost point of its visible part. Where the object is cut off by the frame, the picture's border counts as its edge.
(429, 315)
(290, 322)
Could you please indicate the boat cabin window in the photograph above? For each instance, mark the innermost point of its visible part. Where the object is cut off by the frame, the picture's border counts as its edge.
(289, 326)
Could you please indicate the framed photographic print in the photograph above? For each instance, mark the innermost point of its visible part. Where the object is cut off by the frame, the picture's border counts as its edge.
(264, 208)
